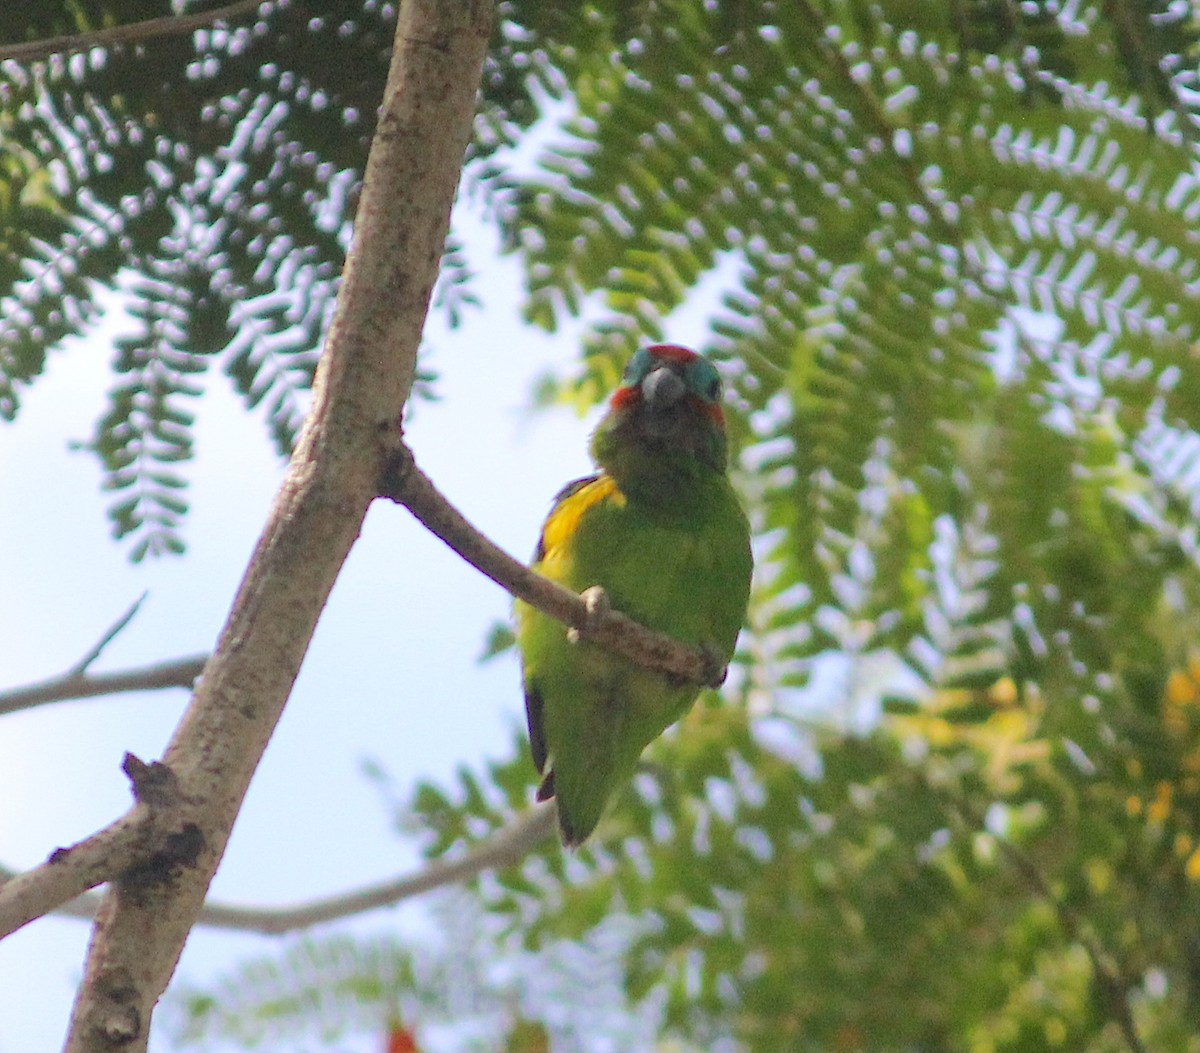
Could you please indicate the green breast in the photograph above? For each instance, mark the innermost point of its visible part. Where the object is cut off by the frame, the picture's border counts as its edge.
(682, 567)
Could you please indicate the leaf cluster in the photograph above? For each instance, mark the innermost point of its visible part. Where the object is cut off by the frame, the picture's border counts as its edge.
(210, 178)
(948, 252)
(951, 258)
(958, 875)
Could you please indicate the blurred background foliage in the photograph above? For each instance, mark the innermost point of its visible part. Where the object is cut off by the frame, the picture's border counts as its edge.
(950, 799)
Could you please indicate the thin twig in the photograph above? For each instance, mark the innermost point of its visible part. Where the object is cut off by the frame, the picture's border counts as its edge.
(81, 666)
(407, 485)
(180, 672)
(167, 26)
(509, 845)
(505, 847)
(76, 682)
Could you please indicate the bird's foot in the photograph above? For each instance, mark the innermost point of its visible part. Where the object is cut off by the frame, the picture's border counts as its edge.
(596, 608)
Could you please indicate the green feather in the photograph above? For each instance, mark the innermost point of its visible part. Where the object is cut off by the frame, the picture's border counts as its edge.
(660, 529)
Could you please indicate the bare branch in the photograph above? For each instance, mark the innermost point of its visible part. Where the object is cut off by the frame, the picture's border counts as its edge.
(362, 383)
(108, 637)
(76, 682)
(68, 872)
(406, 484)
(83, 906)
(141, 846)
(170, 25)
(181, 672)
(509, 845)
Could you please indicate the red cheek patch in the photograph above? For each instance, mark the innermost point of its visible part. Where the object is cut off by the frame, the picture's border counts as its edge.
(712, 410)
(625, 397)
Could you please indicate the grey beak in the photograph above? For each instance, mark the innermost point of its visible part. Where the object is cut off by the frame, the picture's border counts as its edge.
(662, 388)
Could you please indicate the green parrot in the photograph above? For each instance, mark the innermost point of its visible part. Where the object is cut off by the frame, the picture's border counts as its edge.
(660, 530)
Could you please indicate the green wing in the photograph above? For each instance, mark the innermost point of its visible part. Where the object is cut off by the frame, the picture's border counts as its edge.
(533, 698)
(684, 571)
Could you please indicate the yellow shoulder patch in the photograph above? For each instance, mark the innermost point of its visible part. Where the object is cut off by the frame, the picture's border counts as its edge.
(564, 517)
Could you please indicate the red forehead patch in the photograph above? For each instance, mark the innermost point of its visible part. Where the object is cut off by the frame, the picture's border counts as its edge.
(673, 352)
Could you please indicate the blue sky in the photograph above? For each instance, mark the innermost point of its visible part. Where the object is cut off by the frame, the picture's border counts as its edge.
(391, 675)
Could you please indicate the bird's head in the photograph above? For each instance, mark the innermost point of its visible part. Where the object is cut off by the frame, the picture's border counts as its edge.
(668, 407)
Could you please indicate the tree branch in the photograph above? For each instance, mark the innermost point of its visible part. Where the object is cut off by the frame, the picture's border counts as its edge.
(169, 25)
(509, 845)
(180, 672)
(76, 682)
(405, 483)
(110, 634)
(139, 848)
(362, 383)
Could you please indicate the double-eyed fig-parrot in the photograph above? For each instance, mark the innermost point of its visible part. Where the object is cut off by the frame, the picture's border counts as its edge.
(661, 531)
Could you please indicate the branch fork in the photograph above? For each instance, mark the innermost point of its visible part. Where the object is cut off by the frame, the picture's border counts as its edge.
(159, 858)
(145, 847)
(152, 844)
(78, 682)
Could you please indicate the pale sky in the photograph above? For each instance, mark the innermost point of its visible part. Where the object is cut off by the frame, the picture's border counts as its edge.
(392, 673)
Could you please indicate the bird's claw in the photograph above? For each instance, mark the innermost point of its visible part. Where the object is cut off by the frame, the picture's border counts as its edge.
(596, 608)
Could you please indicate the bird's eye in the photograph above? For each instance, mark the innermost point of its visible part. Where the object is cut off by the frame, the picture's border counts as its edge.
(713, 391)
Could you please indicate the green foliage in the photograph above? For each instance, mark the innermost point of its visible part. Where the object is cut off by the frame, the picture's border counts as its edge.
(329, 986)
(901, 196)
(458, 990)
(964, 863)
(500, 638)
(952, 799)
(955, 252)
(211, 177)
